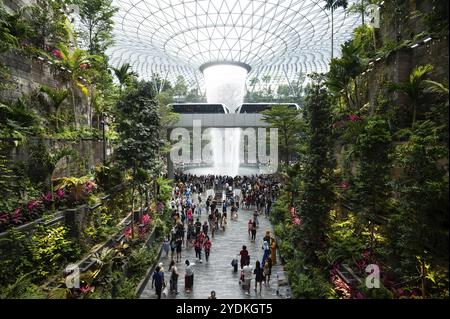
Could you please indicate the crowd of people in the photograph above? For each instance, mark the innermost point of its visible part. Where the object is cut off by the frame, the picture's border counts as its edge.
(215, 196)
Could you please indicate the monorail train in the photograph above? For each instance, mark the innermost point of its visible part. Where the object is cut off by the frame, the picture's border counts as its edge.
(199, 108)
(259, 107)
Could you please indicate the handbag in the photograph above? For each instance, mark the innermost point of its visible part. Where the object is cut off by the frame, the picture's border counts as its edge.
(166, 291)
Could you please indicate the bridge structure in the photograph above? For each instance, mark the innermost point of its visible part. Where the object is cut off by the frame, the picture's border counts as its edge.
(218, 120)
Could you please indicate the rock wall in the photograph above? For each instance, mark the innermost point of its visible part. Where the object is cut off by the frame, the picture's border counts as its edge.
(29, 74)
(89, 152)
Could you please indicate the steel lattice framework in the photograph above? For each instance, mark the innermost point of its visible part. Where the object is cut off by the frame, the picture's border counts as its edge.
(278, 38)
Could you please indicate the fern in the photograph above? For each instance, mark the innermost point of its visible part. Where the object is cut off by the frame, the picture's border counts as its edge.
(18, 288)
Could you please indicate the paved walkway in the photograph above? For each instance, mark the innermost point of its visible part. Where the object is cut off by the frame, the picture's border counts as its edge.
(218, 273)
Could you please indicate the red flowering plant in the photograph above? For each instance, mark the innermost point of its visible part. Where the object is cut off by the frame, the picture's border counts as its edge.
(344, 185)
(4, 221)
(60, 193)
(57, 54)
(128, 232)
(33, 210)
(296, 220)
(17, 217)
(144, 225)
(75, 190)
(47, 198)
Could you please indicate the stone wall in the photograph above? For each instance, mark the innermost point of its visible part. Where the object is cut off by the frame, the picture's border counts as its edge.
(400, 21)
(15, 4)
(89, 152)
(29, 74)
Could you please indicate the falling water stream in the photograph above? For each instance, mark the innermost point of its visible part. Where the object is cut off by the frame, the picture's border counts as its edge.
(225, 84)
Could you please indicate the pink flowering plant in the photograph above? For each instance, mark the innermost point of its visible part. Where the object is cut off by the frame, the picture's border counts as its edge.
(57, 54)
(70, 191)
(296, 220)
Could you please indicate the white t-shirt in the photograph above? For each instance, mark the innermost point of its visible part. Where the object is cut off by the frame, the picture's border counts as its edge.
(248, 272)
(190, 270)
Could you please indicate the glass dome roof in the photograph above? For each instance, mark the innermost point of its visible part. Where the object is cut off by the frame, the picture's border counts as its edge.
(278, 39)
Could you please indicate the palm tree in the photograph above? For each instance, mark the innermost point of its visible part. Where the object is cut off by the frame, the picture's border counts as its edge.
(124, 75)
(57, 97)
(414, 86)
(342, 77)
(73, 60)
(334, 4)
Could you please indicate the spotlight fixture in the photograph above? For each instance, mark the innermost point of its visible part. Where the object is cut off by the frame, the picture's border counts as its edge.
(414, 46)
(41, 58)
(378, 59)
(427, 39)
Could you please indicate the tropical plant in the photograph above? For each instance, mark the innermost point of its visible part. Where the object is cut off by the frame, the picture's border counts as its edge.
(420, 227)
(51, 248)
(78, 188)
(96, 21)
(139, 128)
(414, 87)
(56, 98)
(18, 120)
(334, 4)
(343, 73)
(317, 195)
(13, 28)
(290, 127)
(372, 151)
(18, 289)
(74, 60)
(48, 23)
(124, 75)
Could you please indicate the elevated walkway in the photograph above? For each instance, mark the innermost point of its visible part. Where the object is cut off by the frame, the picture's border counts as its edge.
(219, 120)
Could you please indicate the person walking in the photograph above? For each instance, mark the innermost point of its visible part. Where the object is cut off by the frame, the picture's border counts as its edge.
(259, 276)
(253, 239)
(247, 272)
(249, 227)
(234, 215)
(267, 270)
(205, 228)
(268, 207)
(189, 276)
(173, 277)
(235, 263)
(207, 247)
(267, 237)
(212, 295)
(198, 227)
(166, 245)
(266, 253)
(178, 244)
(244, 256)
(198, 248)
(173, 245)
(273, 250)
(255, 217)
(158, 281)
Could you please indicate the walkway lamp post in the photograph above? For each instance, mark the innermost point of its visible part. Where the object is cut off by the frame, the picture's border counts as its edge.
(332, 28)
(104, 123)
